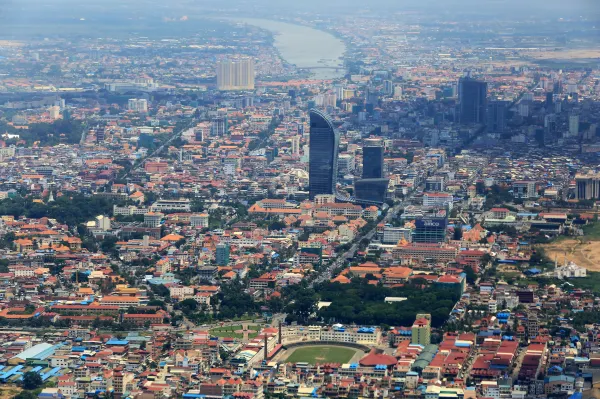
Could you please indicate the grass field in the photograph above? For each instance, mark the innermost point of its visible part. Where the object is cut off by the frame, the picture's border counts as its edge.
(321, 354)
(230, 331)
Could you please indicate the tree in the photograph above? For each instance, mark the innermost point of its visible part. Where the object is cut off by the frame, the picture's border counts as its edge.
(223, 354)
(486, 258)
(4, 265)
(480, 188)
(157, 302)
(457, 233)
(537, 256)
(277, 225)
(109, 243)
(79, 277)
(471, 275)
(188, 306)
(31, 380)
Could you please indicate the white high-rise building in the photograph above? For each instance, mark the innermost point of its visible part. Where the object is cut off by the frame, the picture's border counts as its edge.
(325, 100)
(235, 74)
(137, 105)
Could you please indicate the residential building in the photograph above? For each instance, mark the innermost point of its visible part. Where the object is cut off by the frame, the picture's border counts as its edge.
(236, 74)
(421, 330)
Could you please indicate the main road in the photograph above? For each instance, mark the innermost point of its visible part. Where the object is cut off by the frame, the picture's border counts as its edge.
(326, 274)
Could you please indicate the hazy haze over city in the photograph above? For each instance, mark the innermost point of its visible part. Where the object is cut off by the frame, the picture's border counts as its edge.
(293, 199)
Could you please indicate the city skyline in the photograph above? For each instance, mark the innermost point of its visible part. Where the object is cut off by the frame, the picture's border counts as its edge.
(257, 199)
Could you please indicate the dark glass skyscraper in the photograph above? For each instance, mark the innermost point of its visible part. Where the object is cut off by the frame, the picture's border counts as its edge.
(371, 190)
(324, 143)
(372, 162)
(496, 116)
(472, 96)
(430, 230)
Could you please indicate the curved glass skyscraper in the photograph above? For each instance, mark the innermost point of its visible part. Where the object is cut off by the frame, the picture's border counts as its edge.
(324, 143)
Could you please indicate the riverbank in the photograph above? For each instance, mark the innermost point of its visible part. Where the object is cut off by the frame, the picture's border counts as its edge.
(307, 48)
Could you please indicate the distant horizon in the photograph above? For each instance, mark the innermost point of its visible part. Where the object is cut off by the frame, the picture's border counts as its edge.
(516, 8)
(29, 18)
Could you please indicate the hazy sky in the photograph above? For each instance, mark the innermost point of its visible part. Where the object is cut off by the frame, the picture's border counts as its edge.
(51, 13)
(439, 6)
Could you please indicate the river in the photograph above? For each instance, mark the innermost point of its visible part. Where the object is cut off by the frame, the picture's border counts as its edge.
(305, 47)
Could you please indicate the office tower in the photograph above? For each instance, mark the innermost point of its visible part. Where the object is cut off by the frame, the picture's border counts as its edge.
(100, 134)
(248, 102)
(557, 89)
(339, 91)
(346, 163)
(558, 107)
(496, 116)
(435, 183)
(550, 124)
(371, 96)
(587, 186)
(472, 100)
(371, 190)
(591, 132)
(528, 97)
(323, 150)
(137, 105)
(421, 330)
(295, 145)
(372, 162)
(235, 74)
(348, 93)
(219, 126)
(222, 254)
(549, 100)
(430, 230)
(573, 126)
(388, 87)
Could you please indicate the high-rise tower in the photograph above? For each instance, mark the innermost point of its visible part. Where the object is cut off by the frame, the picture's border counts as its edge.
(496, 116)
(372, 162)
(472, 97)
(323, 149)
(236, 74)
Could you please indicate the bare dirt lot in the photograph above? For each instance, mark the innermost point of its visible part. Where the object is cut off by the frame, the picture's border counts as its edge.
(583, 252)
(564, 54)
(7, 392)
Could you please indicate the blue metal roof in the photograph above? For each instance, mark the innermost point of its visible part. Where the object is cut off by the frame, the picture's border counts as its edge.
(117, 342)
(50, 373)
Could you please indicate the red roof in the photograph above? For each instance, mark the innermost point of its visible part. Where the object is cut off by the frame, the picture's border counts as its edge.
(374, 359)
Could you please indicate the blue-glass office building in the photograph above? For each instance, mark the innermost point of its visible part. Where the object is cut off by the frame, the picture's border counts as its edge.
(324, 143)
